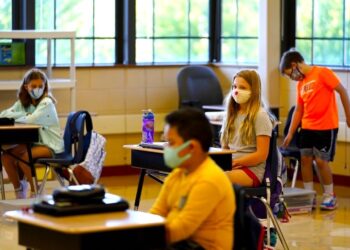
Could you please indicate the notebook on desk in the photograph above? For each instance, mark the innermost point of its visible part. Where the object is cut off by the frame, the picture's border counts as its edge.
(154, 145)
(4, 121)
(110, 203)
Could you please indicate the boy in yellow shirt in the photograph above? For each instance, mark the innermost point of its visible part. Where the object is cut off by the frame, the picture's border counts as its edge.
(196, 198)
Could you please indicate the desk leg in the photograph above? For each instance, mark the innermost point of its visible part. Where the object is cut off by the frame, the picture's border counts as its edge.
(32, 168)
(139, 189)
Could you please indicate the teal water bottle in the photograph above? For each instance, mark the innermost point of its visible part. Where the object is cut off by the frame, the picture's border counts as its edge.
(148, 126)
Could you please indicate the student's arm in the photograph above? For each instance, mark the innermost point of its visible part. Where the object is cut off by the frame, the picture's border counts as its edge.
(345, 101)
(45, 114)
(201, 201)
(296, 119)
(15, 112)
(260, 155)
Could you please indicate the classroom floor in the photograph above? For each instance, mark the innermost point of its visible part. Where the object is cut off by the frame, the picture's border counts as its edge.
(319, 230)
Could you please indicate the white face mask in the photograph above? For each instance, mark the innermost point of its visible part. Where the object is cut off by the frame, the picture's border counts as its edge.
(241, 96)
(36, 93)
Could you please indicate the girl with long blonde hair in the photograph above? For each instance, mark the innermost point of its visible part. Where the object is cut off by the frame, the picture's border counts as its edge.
(247, 129)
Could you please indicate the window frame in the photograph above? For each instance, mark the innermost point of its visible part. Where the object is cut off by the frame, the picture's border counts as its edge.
(23, 18)
(188, 38)
(289, 33)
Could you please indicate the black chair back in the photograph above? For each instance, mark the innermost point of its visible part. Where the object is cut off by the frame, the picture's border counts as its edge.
(198, 86)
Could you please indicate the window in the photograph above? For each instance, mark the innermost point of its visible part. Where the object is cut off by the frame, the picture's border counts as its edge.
(323, 31)
(5, 18)
(94, 23)
(140, 31)
(172, 31)
(239, 38)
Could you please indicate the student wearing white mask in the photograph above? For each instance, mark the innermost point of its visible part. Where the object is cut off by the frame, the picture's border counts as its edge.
(35, 105)
(196, 198)
(247, 129)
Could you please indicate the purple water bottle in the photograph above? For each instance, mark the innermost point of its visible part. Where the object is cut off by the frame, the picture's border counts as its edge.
(147, 126)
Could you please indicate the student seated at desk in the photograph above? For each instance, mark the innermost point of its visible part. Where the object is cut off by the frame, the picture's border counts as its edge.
(247, 129)
(196, 198)
(35, 105)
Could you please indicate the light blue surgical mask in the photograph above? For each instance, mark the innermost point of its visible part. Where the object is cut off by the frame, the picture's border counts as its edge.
(36, 93)
(172, 158)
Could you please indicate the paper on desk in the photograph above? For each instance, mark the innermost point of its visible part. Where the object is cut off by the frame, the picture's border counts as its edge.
(216, 116)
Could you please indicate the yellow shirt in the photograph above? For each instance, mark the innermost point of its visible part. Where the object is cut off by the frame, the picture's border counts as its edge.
(199, 206)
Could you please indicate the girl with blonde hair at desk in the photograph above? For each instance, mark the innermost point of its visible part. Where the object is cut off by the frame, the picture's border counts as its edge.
(247, 129)
(35, 105)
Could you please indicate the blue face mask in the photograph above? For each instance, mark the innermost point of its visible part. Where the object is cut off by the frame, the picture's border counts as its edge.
(172, 158)
(36, 93)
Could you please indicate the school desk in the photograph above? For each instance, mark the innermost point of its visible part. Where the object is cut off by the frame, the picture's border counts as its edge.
(114, 230)
(151, 162)
(18, 134)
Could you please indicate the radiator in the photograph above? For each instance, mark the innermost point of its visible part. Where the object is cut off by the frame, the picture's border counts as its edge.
(120, 124)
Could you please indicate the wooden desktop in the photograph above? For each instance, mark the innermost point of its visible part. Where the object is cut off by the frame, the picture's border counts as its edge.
(114, 230)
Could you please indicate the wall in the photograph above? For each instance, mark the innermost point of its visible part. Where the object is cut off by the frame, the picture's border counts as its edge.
(117, 95)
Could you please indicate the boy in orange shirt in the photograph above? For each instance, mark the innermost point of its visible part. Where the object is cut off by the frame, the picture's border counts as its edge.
(316, 109)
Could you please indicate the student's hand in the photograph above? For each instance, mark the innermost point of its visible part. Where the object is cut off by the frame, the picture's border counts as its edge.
(287, 140)
(236, 165)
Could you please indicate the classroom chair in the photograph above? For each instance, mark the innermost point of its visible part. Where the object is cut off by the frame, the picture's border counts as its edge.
(268, 189)
(198, 86)
(292, 152)
(77, 134)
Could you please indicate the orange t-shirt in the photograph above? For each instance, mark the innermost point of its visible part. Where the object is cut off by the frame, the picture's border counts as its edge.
(316, 94)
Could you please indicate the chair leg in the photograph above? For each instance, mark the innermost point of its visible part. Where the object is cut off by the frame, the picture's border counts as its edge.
(275, 223)
(59, 178)
(295, 173)
(71, 175)
(43, 182)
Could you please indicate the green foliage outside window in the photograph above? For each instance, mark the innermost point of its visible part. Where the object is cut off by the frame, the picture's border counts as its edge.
(323, 31)
(172, 31)
(93, 21)
(5, 18)
(239, 40)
